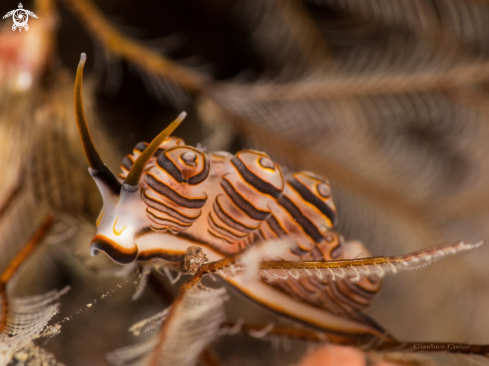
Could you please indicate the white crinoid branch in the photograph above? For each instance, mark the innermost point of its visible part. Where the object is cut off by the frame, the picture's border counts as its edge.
(27, 320)
(355, 269)
(195, 320)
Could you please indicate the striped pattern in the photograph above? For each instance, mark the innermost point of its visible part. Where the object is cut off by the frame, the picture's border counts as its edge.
(343, 296)
(129, 160)
(304, 212)
(251, 182)
(253, 203)
(174, 195)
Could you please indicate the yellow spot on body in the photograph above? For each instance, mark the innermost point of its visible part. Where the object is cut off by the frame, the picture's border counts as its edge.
(117, 233)
(97, 223)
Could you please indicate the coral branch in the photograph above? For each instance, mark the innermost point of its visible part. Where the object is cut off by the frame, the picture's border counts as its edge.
(132, 51)
(11, 196)
(284, 332)
(17, 262)
(206, 357)
(357, 268)
(350, 86)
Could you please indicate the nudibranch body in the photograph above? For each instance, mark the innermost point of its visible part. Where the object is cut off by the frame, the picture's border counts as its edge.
(170, 196)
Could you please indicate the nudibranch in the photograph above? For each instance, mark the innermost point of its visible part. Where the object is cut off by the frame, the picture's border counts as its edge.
(170, 196)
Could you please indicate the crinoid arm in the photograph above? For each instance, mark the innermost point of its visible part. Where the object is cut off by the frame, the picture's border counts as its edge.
(357, 329)
(187, 327)
(24, 319)
(355, 269)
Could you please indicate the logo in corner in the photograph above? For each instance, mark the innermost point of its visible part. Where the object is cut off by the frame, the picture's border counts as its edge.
(20, 17)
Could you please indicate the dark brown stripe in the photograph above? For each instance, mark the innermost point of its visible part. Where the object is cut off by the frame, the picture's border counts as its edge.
(337, 251)
(242, 203)
(345, 298)
(220, 237)
(220, 230)
(108, 178)
(359, 290)
(299, 251)
(166, 222)
(340, 305)
(162, 254)
(276, 227)
(115, 251)
(259, 235)
(308, 196)
(255, 181)
(199, 178)
(127, 163)
(169, 166)
(158, 151)
(229, 221)
(141, 146)
(160, 206)
(317, 283)
(168, 192)
(302, 220)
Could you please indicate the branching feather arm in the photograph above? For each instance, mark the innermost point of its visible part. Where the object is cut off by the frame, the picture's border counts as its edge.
(364, 267)
(16, 263)
(131, 50)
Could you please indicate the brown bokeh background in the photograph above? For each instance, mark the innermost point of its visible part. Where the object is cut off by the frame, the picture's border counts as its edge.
(388, 99)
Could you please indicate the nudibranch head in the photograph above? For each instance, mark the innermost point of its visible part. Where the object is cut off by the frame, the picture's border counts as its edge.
(122, 216)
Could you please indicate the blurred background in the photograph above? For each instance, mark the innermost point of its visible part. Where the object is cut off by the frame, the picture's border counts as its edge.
(388, 99)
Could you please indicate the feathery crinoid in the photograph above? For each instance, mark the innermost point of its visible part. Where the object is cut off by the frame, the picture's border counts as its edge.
(189, 328)
(23, 320)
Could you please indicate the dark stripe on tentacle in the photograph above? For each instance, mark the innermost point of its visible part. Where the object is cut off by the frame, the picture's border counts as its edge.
(255, 181)
(168, 192)
(199, 178)
(242, 203)
(308, 196)
(160, 206)
(231, 236)
(302, 220)
(106, 176)
(169, 166)
(228, 220)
